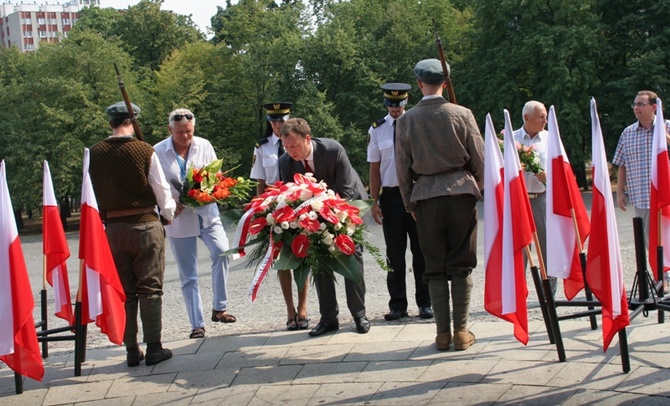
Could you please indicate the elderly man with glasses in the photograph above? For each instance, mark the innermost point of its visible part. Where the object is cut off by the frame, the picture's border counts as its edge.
(177, 154)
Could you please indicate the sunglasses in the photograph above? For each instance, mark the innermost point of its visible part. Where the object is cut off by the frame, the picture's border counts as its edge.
(187, 116)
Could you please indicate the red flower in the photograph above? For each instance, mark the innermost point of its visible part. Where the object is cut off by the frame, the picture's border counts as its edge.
(310, 225)
(197, 177)
(300, 245)
(284, 214)
(345, 244)
(328, 214)
(257, 225)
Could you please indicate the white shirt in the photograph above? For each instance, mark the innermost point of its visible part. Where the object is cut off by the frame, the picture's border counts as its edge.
(381, 149)
(266, 161)
(201, 153)
(533, 184)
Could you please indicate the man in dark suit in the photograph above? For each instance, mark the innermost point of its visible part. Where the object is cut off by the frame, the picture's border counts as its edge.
(327, 160)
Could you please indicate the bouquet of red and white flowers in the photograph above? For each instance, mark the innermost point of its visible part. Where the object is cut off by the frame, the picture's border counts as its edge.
(304, 226)
(209, 185)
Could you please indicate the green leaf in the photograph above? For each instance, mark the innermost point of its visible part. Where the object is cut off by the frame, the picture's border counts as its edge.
(345, 265)
(300, 274)
(248, 244)
(363, 205)
(286, 259)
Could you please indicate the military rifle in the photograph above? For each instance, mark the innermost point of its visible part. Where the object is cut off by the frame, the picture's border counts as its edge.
(445, 71)
(129, 106)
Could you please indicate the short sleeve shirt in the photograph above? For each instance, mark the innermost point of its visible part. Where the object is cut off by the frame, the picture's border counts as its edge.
(266, 161)
(540, 143)
(381, 149)
(634, 152)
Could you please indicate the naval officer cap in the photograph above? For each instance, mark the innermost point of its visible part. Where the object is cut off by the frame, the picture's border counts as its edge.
(278, 111)
(430, 71)
(396, 94)
(119, 110)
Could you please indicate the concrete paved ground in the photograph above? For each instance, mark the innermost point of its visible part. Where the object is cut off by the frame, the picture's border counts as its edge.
(255, 361)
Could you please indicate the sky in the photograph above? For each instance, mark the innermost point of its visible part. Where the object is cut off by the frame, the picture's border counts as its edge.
(202, 10)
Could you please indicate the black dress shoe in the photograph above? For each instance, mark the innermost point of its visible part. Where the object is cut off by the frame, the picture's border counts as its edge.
(395, 314)
(362, 324)
(134, 356)
(322, 328)
(426, 312)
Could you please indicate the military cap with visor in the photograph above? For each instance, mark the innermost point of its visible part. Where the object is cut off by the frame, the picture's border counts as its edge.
(119, 110)
(278, 111)
(395, 94)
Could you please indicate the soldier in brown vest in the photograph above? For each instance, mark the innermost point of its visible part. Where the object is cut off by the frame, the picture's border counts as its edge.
(129, 183)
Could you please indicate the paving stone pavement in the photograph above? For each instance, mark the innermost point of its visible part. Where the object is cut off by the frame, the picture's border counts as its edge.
(256, 362)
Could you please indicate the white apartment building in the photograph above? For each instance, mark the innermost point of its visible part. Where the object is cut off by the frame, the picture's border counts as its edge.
(26, 25)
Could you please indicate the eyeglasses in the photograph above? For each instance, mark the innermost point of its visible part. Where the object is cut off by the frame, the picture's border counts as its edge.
(632, 106)
(187, 116)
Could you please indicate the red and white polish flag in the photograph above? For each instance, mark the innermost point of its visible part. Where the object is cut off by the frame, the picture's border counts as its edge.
(604, 270)
(103, 299)
(494, 200)
(563, 202)
(55, 249)
(659, 214)
(19, 348)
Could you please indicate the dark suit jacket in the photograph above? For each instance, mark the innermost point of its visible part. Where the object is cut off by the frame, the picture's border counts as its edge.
(331, 164)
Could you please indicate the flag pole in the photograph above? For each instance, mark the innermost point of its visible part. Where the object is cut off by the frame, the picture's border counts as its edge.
(582, 263)
(43, 305)
(79, 325)
(548, 302)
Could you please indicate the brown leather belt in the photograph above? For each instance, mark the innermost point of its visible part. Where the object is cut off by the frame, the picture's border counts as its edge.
(534, 195)
(129, 212)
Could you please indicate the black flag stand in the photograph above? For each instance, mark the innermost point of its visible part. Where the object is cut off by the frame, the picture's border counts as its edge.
(645, 295)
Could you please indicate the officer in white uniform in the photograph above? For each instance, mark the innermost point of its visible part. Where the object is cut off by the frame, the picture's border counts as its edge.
(265, 167)
(389, 211)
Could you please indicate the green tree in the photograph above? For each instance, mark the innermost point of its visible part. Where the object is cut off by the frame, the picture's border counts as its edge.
(54, 108)
(545, 51)
(361, 44)
(150, 34)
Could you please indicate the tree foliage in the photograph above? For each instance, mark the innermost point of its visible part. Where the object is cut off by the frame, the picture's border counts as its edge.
(328, 57)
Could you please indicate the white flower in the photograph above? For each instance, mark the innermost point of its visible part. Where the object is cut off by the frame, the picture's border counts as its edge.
(312, 215)
(305, 194)
(350, 230)
(270, 219)
(293, 224)
(337, 227)
(342, 215)
(328, 240)
(278, 230)
(331, 248)
(316, 204)
(284, 225)
(322, 226)
(302, 216)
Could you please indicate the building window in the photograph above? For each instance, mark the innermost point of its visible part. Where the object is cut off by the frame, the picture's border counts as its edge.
(42, 34)
(66, 21)
(27, 33)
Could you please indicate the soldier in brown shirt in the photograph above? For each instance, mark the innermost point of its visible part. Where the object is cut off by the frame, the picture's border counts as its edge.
(440, 165)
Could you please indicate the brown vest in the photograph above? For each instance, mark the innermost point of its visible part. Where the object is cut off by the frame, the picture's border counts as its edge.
(119, 172)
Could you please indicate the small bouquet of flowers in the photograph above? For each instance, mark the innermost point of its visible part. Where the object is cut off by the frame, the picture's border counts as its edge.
(304, 226)
(209, 185)
(528, 156)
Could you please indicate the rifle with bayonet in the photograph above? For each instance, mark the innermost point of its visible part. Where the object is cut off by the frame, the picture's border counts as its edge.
(129, 106)
(445, 71)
